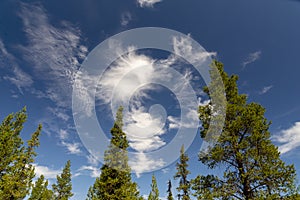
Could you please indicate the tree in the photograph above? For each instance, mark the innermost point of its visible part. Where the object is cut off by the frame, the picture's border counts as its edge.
(40, 190)
(154, 193)
(16, 169)
(115, 182)
(252, 165)
(63, 187)
(169, 191)
(181, 174)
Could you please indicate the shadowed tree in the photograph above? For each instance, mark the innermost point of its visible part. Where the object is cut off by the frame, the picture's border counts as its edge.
(16, 169)
(169, 191)
(115, 181)
(181, 174)
(63, 187)
(252, 165)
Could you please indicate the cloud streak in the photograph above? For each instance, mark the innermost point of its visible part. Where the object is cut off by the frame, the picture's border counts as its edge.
(289, 139)
(147, 3)
(252, 57)
(266, 89)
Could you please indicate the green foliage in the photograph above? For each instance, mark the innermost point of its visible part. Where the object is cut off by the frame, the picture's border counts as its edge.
(252, 165)
(154, 193)
(115, 182)
(16, 169)
(181, 174)
(40, 190)
(63, 187)
(169, 191)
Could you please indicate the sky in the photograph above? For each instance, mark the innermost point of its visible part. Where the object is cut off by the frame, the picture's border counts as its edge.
(71, 64)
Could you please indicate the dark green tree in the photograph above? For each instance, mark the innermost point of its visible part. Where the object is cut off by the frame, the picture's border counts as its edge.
(16, 169)
(181, 174)
(63, 187)
(40, 190)
(154, 193)
(115, 181)
(169, 191)
(252, 165)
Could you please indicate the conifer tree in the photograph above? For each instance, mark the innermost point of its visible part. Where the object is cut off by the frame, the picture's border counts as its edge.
(154, 193)
(16, 159)
(115, 181)
(181, 174)
(63, 187)
(169, 191)
(40, 190)
(252, 165)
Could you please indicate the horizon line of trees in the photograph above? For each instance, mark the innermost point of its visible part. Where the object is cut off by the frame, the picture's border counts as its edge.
(251, 163)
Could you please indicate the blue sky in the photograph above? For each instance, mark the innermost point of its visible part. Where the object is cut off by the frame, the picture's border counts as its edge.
(44, 43)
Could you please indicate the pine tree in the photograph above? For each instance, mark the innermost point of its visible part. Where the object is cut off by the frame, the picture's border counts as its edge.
(16, 169)
(154, 193)
(115, 181)
(169, 191)
(40, 190)
(63, 187)
(252, 165)
(181, 174)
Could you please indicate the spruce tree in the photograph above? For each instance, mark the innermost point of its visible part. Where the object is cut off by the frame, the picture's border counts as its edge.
(154, 193)
(63, 187)
(169, 191)
(252, 165)
(115, 181)
(40, 190)
(181, 174)
(16, 159)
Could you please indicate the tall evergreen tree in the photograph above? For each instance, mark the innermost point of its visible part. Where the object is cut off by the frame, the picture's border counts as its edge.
(40, 190)
(154, 193)
(252, 165)
(63, 187)
(181, 174)
(115, 181)
(16, 169)
(169, 191)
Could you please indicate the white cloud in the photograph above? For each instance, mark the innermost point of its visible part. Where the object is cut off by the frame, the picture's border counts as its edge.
(266, 89)
(289, 138)
(183, 47)
(92, 171)
(142, 163)
(129, 79)
(63, 134)
(46, 171)
(73, 148)
(125, 18)
(252, 57)
(147, 3)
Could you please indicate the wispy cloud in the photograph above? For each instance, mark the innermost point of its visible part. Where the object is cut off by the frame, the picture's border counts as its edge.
(289, 138)
(252, 57)
(91, 171)
(265, 89)
(16, 76)
(46, 171)
(73, 148)
(19, 78)
(54, 52)
(126, 17)
(147, 3)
